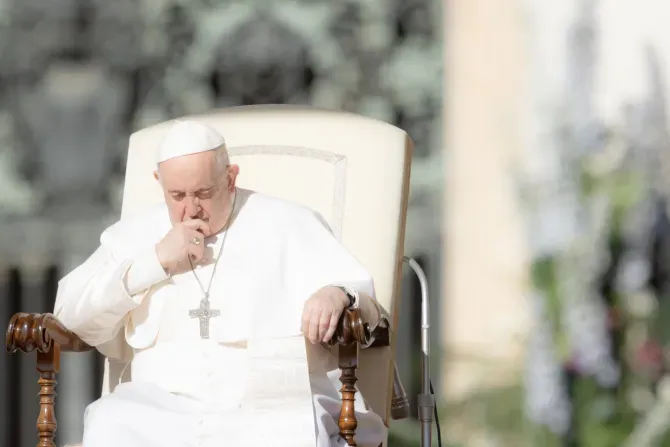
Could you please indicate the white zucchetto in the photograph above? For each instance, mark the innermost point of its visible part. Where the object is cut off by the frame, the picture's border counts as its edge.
(186, 138)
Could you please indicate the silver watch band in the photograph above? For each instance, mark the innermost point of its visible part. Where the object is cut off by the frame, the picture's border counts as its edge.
(353, 297)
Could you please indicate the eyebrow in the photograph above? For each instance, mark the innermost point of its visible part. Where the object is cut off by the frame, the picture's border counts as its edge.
(179, 191)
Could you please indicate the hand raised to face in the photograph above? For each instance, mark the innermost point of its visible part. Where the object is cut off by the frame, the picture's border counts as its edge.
(185, 239)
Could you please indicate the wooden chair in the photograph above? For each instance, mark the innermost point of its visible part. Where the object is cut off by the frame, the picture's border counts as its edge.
(352, 169)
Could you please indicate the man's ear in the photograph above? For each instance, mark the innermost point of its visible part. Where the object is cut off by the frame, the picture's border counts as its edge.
(233, 171)
(156, 176)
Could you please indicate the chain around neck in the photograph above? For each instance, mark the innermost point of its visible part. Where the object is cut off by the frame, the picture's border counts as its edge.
(216, 262)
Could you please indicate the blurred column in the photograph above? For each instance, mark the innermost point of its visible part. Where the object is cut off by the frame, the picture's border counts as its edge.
(484, 315)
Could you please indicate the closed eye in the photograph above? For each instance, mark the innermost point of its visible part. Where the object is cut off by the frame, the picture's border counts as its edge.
(205, 193)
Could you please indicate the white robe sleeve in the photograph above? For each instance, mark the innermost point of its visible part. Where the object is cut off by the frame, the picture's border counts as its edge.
(94, 300)
(314, 259)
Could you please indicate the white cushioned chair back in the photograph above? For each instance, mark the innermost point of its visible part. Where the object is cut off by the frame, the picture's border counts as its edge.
(352, 169)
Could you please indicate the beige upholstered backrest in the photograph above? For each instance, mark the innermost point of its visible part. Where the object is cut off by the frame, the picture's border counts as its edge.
(352, 169)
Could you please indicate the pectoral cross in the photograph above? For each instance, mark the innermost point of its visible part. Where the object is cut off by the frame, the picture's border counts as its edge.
(204, 313)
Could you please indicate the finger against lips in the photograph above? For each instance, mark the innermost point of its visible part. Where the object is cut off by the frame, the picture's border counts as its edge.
(198, 225)
(193, 223)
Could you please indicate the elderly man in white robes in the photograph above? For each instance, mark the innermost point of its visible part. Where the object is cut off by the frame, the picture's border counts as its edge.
(179, 293)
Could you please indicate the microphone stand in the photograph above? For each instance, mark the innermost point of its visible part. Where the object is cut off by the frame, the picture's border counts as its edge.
(426, 400)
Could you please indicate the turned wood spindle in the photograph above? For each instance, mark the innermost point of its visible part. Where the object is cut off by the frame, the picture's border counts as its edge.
(46, 335)
(47, 365)
(348, 360)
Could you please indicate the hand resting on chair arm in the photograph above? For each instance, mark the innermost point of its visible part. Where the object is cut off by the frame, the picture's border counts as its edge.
(324, 309)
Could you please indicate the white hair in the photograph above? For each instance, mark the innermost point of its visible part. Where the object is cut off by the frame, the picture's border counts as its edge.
(222, 158)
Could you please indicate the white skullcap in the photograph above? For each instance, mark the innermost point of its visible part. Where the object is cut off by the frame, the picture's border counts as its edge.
(186, 138)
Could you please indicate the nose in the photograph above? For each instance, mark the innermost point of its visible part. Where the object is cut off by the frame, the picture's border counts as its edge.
(192, 207)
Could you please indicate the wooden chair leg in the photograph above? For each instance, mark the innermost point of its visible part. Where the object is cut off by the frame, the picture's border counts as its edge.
(48, 365)
(348, 362)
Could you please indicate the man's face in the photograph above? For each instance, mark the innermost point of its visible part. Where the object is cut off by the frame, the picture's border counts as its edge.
(197, 187)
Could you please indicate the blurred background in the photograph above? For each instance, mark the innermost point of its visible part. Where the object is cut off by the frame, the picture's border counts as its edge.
(539, 196)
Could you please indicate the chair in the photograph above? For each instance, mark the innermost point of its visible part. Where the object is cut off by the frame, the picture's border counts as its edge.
(352, 169)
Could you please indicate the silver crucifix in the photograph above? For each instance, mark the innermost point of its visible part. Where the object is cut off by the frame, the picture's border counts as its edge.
(204, 313)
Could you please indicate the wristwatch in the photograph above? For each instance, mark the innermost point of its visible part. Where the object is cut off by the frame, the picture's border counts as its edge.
(353, 297)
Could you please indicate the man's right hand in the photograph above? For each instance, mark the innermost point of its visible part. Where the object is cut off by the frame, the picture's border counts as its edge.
(178, 244)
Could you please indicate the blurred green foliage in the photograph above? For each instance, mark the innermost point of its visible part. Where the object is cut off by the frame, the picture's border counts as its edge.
(601, 417)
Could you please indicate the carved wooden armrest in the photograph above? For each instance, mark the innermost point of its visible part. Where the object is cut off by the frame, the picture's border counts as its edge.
(351, 335)
(46, 335)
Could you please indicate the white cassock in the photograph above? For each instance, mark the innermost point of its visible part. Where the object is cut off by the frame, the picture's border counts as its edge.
(250, 383)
